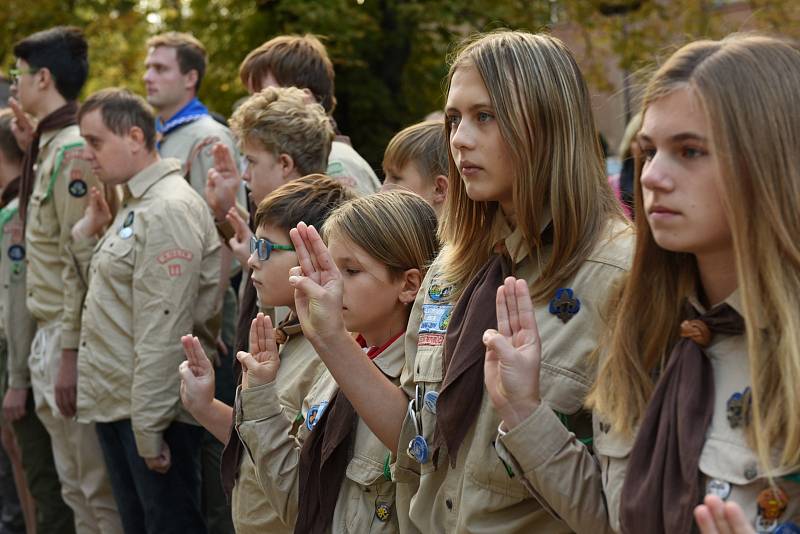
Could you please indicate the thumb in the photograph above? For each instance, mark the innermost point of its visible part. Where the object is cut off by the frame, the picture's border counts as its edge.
(498, 344)
(307, 287)
(186, 372)
(247, 360)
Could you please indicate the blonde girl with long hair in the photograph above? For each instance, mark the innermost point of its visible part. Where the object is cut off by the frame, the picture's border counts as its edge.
(697, 397)
(334, 475)
(527, 195)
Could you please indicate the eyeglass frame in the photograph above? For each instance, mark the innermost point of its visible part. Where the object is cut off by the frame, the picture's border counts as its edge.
(270, 246)
(15, 73)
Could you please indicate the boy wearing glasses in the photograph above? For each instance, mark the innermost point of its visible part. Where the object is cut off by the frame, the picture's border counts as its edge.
(152, 279)
(310, 199)
(51, 68)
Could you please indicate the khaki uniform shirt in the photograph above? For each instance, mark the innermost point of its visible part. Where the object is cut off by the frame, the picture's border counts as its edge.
(16, 322)
(58, 201)
(366, 498)
(192, 144)
(153, 276)
(257, 511)
(478, 494)
(588, 498)
(347, 166)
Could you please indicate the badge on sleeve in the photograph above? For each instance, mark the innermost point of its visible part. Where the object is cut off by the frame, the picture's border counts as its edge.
(383, 512)
(126, 231)
(16, 252)
(787, 528)
(565, 306)
(78, 188)
(439, 292)
(771, 504)
(737, 406)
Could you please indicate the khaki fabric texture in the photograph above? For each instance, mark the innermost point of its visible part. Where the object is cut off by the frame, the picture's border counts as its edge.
(589, 497)
(54, 288)
(192, 143)
(79, 461)
(270, 509)
(153, 278)
(15, 314)
(478, 495)
(347, 166)
(366, 486)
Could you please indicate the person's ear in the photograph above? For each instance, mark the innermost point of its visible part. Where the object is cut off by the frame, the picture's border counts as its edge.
(288, 168)
(190, 79)
(440, 184)
(44, 78)
(410, 282)
(136, 139)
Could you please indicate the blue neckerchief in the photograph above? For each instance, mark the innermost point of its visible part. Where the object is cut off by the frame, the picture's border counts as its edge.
(189, 113)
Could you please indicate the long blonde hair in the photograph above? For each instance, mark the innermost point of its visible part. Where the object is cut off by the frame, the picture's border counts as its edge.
(748, 87)
(545, 117)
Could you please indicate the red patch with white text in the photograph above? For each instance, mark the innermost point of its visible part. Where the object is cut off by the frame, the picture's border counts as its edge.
(174, 254)
(430, 340)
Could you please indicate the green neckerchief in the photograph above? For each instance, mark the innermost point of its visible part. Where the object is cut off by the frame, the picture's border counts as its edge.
(6, 214)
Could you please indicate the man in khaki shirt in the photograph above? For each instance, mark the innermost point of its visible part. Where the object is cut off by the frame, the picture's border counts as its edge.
(153, 276)
(174, 69)
(51, 68)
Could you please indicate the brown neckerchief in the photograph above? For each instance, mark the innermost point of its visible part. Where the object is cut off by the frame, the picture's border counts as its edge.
(462, 388)
(10, 192)
(232, 453)
(66, 115)
(663, 481)
(323, 463)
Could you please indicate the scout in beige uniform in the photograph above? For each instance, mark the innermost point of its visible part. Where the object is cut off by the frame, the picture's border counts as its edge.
(175, 66)
(308, 198)
(153, 277)
(686, 408)
(301, 61)
(342, 479)
(440, 423)
(52, 66)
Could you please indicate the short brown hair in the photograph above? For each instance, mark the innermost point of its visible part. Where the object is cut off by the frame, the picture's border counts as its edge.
(295, 61)
(190, 52)
(121, 110)
(309, 199)
(8, 143)
(424, 144)
(282, 122)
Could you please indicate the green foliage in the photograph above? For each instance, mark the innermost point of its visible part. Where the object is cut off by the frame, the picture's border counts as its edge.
(389, 55)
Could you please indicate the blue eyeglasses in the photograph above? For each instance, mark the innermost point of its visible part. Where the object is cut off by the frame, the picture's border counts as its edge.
(265, 247)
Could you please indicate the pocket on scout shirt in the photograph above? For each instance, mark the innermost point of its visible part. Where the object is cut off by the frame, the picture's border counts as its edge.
(44, 222)
(372, 502)
(118, 256)
(612, 450)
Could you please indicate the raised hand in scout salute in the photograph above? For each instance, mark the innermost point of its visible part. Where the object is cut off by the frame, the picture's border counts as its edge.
(527, 195)
(696, 399)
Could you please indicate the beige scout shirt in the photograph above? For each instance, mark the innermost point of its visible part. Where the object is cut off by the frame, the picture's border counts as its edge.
(252, 499)
(192, 144)
(478, 495)
(16, 322)
(57, 202)
(366, 498)
(347, 166)
(589, 497)
(152, 277)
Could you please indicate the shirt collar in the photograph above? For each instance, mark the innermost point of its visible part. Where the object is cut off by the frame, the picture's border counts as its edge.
(192, 111)
(513, 240)
(734, 300)
(144, 179)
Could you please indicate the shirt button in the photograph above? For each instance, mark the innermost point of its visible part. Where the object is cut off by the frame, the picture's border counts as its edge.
(449, 503)
(750, 472)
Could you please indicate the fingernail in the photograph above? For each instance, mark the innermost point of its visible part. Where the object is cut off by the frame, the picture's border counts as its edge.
(294, 279)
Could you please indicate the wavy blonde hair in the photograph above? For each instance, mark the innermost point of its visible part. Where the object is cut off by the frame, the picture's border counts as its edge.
(281, 121)
(545, 117)
(747, 86)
